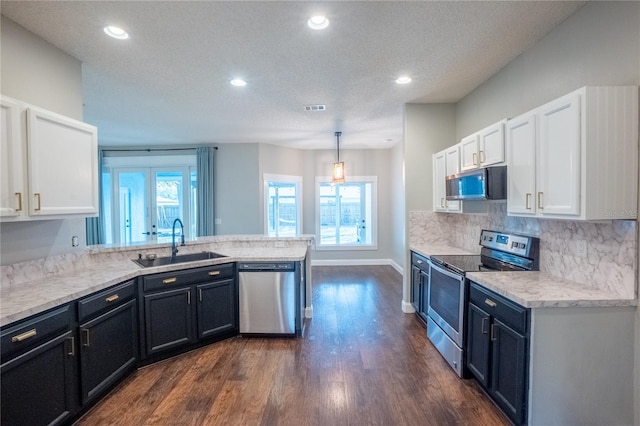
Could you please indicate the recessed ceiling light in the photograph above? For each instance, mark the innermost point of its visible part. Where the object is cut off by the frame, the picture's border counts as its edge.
(238, 82)
(116, 32)
(318, 22)
(403, 80)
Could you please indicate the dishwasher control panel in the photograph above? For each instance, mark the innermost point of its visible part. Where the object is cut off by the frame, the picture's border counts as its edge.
(267, 266)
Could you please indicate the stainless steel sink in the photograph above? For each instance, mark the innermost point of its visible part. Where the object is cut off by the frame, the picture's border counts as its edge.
(181, 258)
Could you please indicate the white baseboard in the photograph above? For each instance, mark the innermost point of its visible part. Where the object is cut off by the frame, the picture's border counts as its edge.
(408, 308)
(308, 312)
(358, 262)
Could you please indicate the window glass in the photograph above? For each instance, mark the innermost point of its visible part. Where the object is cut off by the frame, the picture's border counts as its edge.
(346, 213)
(283, 205)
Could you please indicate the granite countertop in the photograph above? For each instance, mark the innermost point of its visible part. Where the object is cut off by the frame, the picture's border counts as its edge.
(38, 295)
(441, 249)
(541, 290)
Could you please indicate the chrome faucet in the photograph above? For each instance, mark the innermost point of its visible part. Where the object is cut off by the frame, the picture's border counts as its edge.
(174, 249)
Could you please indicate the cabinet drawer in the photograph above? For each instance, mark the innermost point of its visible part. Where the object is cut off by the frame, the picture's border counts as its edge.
(515, 316)
(420, 262)
(106, 299)
(32, 331)
(188, 276)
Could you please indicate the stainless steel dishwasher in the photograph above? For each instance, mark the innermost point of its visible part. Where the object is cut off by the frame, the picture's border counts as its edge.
(269, 294)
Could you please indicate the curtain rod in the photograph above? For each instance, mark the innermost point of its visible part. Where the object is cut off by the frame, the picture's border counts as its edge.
(153, 149)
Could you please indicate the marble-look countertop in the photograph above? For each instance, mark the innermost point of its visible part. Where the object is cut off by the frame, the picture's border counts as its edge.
(38, 295)
(541, 290)
(441, 249)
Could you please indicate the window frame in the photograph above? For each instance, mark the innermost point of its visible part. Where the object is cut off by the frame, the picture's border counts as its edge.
(373, 180)
(288, 179)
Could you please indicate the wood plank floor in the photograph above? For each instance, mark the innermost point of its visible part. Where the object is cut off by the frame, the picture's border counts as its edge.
(361, 362)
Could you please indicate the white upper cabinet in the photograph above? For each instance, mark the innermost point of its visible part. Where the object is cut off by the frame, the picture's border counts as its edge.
(58, 176)
(576, 157)
(445, 163)
(12, 190)
(483, 148)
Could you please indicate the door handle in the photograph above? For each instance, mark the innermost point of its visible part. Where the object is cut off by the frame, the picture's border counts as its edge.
(72, 351)
(85, 333)
(19, 195)
(200, 294)
(474, 159)
(37, 195)
(481, 156)
(146, 233)
(493, 333)
(484, 325)
(189, 297)
(527, 200)
(540, 201)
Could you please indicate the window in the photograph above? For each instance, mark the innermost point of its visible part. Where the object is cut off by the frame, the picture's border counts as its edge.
(283, 206)
(346, 214)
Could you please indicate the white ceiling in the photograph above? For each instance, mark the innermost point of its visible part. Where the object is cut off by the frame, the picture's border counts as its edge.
(169, 83)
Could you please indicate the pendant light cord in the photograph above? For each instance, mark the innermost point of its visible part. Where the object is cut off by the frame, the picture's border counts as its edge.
(338, 144)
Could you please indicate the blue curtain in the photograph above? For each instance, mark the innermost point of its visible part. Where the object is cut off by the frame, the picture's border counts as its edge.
(205, 202)
(95, 230)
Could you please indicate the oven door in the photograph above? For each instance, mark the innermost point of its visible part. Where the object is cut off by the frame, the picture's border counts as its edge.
(446, 302)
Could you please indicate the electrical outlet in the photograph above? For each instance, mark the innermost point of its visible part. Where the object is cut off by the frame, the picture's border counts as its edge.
(75, 242)
(581, 248)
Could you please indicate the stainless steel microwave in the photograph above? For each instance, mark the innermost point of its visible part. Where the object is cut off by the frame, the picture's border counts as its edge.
(487, 183)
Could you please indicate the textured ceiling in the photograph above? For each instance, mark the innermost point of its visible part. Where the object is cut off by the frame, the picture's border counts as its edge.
(169, 83)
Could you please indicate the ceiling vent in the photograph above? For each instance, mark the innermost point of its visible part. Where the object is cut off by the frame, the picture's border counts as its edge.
(315, 107)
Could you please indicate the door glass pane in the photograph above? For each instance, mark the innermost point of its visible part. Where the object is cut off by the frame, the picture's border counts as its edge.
(169, 206)
(106, 207)
(328, 209)
(132, 207)
(194, 203)
(350, 213)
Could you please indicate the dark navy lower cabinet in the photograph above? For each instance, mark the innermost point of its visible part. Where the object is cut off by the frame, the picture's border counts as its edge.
(38, 375)
(216, 308)
(497, 348)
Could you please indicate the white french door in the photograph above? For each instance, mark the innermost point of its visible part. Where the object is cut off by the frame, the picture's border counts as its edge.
(147, 200)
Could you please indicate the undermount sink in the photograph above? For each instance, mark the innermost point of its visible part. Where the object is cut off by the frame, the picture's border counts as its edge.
(181, 258)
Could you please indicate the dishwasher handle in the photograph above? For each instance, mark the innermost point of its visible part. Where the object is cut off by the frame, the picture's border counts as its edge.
(266, 266)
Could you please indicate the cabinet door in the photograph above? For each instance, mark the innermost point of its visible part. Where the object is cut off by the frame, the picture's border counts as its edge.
(508, 370)
(12, 191)
(108, 349)
(559, 159)
(216, 308)
(521, 158)
(439, 175)
(478, 344)
(452, 167)
(62, 164)
(39, 387)
(168, 320)
(469, 153)
(415, 288)
(424, 294)
(491, 144)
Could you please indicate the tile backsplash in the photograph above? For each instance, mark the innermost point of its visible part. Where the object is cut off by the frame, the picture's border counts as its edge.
(611, 260)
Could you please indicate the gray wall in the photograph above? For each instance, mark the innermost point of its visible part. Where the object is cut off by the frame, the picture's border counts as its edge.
(598, 45)
(397, 206)
(36, 72)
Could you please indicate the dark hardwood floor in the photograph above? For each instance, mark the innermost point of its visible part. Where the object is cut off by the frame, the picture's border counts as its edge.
(361, 362)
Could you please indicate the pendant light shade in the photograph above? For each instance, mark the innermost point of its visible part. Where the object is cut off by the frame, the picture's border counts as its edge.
(338, 166)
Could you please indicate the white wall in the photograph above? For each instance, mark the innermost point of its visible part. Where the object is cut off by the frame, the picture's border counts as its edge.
(36, 72)
(598, 45)
(397, 206)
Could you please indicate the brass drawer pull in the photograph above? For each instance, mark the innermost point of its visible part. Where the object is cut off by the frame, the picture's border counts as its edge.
(490, 303)
(37, 195)
(214, 273)
(112, 298)
(527, 198)
(19, 194)
(169, 280)
(24, 336)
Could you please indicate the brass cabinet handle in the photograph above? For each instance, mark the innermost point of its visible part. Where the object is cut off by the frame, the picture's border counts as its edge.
(527, 199)
(540, 201)
(214, 273)
(490, 303)
(475, 159)
(85, 331)
(37, 195)
(481, 156)
(112, 298)
(493, 333)
(72, 351)
(24, 336)
(19, 194)
(169, 280)
(484, 325)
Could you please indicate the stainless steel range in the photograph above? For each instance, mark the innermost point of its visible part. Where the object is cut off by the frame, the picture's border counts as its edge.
(449, 289)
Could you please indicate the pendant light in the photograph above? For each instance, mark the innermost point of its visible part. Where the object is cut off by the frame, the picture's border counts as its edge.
(338, 166)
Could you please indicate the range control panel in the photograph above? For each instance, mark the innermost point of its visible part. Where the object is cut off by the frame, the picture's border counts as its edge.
(520, 245)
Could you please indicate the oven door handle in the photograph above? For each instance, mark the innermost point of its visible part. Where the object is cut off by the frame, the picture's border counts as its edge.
(447, 272)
